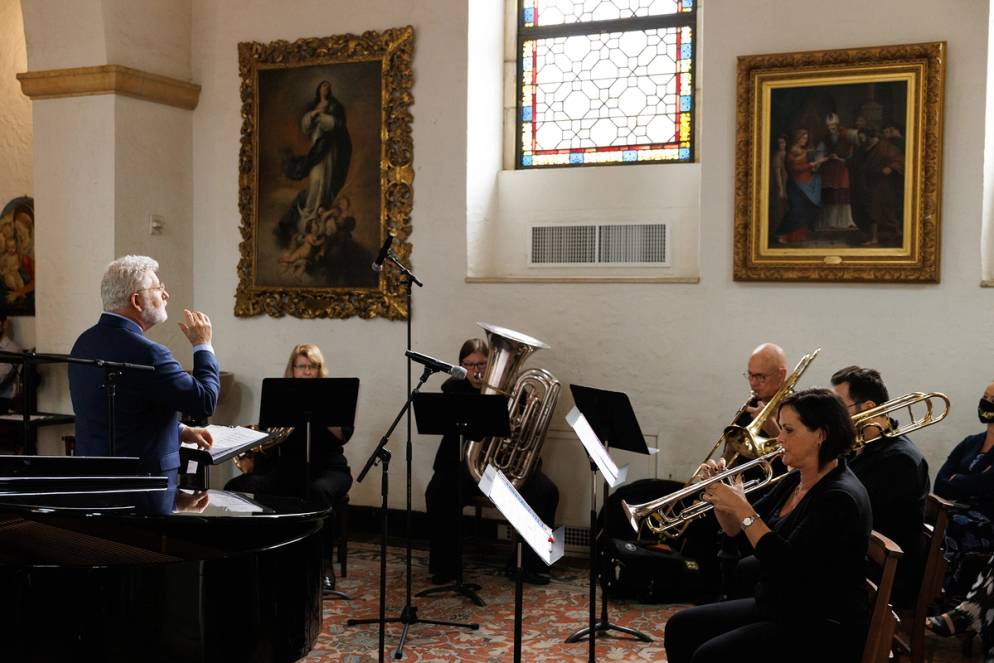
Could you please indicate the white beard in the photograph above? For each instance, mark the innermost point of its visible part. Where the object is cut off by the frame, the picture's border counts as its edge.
(152, 316)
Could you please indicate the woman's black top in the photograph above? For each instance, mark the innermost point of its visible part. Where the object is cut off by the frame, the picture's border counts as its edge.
(812, 562)
(326, 449)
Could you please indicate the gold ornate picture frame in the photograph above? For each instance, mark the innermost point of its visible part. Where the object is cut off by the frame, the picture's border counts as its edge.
(838, 165)
(325, 174)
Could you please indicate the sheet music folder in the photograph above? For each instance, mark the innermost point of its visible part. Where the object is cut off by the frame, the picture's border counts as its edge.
(295, 401)
(473, 415)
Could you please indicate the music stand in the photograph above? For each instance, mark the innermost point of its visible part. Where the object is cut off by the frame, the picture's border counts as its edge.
(308, 402)
(612, 419)
(470, 416)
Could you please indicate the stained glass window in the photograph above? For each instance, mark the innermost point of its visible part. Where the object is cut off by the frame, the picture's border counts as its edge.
(605, 82)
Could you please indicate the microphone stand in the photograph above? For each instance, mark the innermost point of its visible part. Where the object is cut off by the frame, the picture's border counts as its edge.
(409, 613)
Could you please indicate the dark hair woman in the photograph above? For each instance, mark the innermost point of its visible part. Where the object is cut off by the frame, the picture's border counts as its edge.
(810, 535)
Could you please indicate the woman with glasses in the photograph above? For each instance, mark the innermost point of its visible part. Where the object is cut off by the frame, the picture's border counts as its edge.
(280, 471)
(441, 500)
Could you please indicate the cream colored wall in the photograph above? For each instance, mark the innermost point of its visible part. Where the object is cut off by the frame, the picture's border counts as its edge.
(677, 349)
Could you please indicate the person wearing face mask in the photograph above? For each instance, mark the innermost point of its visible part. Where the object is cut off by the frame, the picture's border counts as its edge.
(966, 477)
(146, 424)
(440, 495)
(895, 474)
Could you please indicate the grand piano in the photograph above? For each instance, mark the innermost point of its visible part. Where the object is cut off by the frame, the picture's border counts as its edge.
(98, 562)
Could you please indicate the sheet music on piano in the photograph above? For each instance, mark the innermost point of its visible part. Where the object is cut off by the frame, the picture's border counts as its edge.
(229, 441)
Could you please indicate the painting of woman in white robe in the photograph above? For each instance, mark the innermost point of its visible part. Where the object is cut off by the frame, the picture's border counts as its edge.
(319, 149)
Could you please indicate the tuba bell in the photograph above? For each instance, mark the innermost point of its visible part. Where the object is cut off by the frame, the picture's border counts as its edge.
(532, 400)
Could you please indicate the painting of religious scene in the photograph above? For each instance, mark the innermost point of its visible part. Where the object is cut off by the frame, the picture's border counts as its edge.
(838, 166)
(17, 262)
(325, 174)
(319, 188)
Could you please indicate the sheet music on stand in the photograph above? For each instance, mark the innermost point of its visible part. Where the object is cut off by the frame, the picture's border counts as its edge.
(547, 544)
(228, 441)
(613, 475)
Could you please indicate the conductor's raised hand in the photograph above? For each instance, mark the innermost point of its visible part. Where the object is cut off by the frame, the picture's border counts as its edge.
(196, 326)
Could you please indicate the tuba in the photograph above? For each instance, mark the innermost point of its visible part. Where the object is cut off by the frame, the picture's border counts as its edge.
(532, 401)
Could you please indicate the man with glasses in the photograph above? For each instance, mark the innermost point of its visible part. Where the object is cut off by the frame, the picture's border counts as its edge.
(441, 501)
(895, 475)
(765, 372)
(147, 425)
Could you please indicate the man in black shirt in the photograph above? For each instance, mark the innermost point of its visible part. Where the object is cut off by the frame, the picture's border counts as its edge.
(895, 475)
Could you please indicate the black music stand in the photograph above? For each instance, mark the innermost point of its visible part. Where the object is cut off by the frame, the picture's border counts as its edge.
(470, 416)
(611, 416)
(112, 371)
(308, 402)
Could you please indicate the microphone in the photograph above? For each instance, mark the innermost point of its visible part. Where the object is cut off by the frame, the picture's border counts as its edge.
(437, 365)
(384, 250)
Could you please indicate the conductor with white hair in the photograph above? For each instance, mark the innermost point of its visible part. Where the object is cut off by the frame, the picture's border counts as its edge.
(146, 422)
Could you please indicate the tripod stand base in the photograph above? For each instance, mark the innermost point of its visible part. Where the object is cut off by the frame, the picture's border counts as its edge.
(467, 589)
(409, 617)
(604, 627)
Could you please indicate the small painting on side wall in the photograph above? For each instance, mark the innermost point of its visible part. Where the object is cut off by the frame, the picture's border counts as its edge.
(17, 260)
(838, 165)
(325, 174)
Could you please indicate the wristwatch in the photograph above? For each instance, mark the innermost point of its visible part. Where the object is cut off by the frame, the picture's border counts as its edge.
(749, 520)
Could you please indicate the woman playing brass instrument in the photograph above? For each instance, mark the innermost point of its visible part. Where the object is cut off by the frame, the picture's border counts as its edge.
(440, 496)
(810, 535)
(282, 469)
(280, 472)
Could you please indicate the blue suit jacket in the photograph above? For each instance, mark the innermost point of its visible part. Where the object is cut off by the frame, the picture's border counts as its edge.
(147, 402)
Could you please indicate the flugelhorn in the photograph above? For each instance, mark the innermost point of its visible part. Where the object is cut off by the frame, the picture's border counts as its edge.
(663, 508)
(738, 441)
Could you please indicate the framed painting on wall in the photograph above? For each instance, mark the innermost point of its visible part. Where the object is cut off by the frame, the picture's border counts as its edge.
(838, 165)
(17, 257)
(325, 174)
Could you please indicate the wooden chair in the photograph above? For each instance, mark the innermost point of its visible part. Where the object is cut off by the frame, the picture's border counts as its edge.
(883, 620)
(909, 640)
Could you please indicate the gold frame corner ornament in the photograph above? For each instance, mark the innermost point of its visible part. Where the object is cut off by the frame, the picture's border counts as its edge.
(394, 49)
(922, 67)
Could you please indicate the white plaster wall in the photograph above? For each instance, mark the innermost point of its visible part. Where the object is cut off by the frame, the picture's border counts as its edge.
(153, 150)
(15, 130)
(677, 349)
(64, 33)
(151, 35)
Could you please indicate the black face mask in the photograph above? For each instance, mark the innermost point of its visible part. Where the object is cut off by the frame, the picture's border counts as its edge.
(985, 411)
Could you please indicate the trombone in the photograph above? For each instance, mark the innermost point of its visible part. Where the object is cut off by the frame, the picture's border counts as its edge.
(664, 517)
(738, 441)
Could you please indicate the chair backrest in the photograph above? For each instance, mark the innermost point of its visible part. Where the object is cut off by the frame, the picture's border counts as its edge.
(884, 553)
(910, 639)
